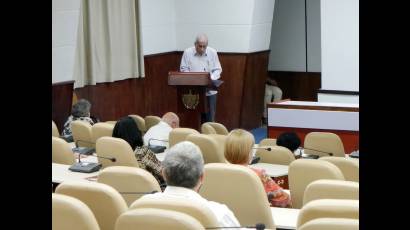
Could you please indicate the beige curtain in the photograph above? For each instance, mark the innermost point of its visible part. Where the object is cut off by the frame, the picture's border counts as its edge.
(108, 42)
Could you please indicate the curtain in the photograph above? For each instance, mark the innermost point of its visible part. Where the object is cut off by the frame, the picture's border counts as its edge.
(108, 42)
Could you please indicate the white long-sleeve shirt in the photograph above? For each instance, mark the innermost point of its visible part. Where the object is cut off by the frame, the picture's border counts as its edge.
(223, 214)
(207, 62)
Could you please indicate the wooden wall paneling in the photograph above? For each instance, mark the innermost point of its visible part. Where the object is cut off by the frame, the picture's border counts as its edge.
(298, 86)
(229, 99)
(61, 102)
(254, 89)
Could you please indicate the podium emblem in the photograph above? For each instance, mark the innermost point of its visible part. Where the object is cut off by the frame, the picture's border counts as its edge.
(190, 100)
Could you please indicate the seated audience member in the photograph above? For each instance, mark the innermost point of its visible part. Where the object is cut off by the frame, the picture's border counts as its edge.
(80, 111)
(288, 140)
(238, 150)
(127, 129)
(183, 170)
(272, 93)
(161, 130)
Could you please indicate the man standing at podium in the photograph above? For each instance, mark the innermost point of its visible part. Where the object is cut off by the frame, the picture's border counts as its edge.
(201, 58)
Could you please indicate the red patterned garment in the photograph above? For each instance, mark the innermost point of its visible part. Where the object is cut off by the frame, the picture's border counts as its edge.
(276, 196)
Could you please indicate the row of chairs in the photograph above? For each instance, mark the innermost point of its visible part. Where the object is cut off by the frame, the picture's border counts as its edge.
(246, 198)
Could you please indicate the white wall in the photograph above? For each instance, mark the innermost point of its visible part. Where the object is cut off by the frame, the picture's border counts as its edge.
(353, 99)
(238, 26)
(64, 37)
(288, 38)
(340, 44)
(158, 26)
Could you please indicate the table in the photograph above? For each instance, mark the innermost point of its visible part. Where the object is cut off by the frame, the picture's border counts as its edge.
(285, 218)
(279, 173)
(61, 173)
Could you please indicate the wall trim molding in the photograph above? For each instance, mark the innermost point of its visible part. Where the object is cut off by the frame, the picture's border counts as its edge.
(338, 92)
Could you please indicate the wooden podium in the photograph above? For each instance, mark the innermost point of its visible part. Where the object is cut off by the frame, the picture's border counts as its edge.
(191, 96)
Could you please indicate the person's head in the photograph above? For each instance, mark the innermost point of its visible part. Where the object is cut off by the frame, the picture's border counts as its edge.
(183, 166)
(81, 108)
(127, 129)
(201, 42)
(238, 147)
(289, 140)
(171, 119)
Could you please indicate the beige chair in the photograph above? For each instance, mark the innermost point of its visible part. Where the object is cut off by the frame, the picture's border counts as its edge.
(61, 152)
(111, 122)
(220, 140)
(117, 148)
(158, 219)
(349, 167)
(151, 121)
(179, 134)
(128, 180)
(304, 171)
(328, 208)
(82, 134)
(267, 142)
(331, 224)
(240, 189)
(101, 129)
(211, 151)
(214, 128)
(325, 142)
(71, 213)
(331, 189)
(195, 209)
(103, 200)
(140, 122)
(278, 155)
(54, 130)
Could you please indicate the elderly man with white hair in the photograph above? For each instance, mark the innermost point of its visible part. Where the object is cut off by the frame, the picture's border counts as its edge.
(183, 170)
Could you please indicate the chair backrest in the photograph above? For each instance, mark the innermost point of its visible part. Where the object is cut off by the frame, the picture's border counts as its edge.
(349, 167)
(61, 152)
(220, 140)
(243, 192)
(278, 155)
(211, 152)
(117, 148)
(101, 129)
(103, 200)
(82, 133)
(325, 142)
(328, 208)
(54, 130)
(331, 189)
(71, 213)
(140, 122)
(128, 180)
(111, 122)
(304, 171)
(207, 129)
(331, 224)
(151, 121)
(267, 142)
(179, 134)
(158, 219)
(214, 128)
(195, 209)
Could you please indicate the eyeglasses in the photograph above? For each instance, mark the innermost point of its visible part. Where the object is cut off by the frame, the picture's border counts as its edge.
(201, 46)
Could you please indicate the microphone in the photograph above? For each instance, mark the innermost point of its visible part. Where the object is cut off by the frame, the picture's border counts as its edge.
(83, 150)
(328, 153)
(258, 226)
(152, 192)
(156, 148)
(88, 167)
(264, 148)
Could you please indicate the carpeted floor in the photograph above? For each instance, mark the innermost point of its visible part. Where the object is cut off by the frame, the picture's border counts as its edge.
(259, 133)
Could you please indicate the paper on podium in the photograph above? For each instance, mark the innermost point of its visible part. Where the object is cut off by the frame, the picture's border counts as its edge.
(215, 84)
